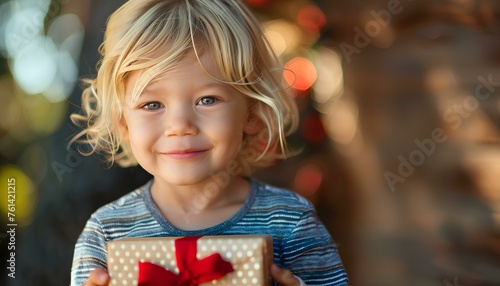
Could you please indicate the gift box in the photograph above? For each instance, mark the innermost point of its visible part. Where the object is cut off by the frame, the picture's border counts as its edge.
(191, 260)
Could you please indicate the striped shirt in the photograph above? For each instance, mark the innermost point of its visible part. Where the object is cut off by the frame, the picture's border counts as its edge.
(301, 242)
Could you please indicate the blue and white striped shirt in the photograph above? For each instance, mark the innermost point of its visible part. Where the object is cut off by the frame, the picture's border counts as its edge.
(301, 242)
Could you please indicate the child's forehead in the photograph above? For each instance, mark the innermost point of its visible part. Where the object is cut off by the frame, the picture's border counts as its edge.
(191, 72)
(195, 67)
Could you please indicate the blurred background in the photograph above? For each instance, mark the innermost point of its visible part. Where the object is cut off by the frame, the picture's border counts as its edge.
(400, 127)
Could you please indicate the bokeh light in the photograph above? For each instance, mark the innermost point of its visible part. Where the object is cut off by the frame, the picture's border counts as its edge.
(300, 73)
(40, 63)
(311, 18)
(35, 66)
(283, 36)
(23, 25)
(277, 41)
(43, 116)
(343, 122)
(330, 82)
(308, 180)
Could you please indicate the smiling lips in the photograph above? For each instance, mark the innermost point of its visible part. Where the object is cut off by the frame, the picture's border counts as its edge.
(184, 154)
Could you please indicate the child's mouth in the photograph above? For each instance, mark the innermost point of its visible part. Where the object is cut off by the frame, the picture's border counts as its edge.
(184, 154)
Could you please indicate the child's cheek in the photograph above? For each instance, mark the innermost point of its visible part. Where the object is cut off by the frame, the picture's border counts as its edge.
(141, 134)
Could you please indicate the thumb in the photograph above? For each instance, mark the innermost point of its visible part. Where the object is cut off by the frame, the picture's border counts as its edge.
(283, 277)
(99, 277)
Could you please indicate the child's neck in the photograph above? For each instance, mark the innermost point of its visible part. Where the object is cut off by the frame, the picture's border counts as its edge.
(201, 206)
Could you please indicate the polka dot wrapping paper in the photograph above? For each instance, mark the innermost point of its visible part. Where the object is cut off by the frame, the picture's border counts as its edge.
(251, 257)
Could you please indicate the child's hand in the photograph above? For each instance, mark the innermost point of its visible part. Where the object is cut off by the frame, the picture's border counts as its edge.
(284, 277)
(98, 277)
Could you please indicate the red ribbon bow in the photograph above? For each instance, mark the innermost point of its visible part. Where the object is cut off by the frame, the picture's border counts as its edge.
(191, 270)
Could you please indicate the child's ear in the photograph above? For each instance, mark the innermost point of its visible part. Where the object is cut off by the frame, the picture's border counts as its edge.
(123, 129)
(253, 124)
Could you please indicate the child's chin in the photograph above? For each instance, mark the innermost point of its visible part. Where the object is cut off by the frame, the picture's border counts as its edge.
(182, 180)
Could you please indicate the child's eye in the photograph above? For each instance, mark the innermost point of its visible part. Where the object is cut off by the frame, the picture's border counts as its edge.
(152, 106)
(207, 100)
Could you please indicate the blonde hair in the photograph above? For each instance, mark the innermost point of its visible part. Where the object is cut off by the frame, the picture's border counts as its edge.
(153, 35)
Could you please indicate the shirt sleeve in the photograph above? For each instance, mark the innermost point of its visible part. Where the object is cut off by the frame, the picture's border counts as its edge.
(310, 253)
(90, 252)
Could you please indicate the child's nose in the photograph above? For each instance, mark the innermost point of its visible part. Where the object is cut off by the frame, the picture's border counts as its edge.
(180, 122)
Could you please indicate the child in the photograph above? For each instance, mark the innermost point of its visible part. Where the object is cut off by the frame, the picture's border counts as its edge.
(190, 90)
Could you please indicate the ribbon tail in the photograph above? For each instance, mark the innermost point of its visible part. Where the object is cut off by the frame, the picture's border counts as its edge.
(185, 252)
(154, 275)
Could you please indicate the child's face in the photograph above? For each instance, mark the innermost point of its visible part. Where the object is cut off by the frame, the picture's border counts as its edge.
(185, 126)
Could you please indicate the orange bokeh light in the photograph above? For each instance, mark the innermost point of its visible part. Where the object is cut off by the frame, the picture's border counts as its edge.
(300, 73)
(308, 180)
(311, 18)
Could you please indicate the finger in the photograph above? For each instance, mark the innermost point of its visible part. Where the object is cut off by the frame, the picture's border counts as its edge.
(283, 277)
(98, 277)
